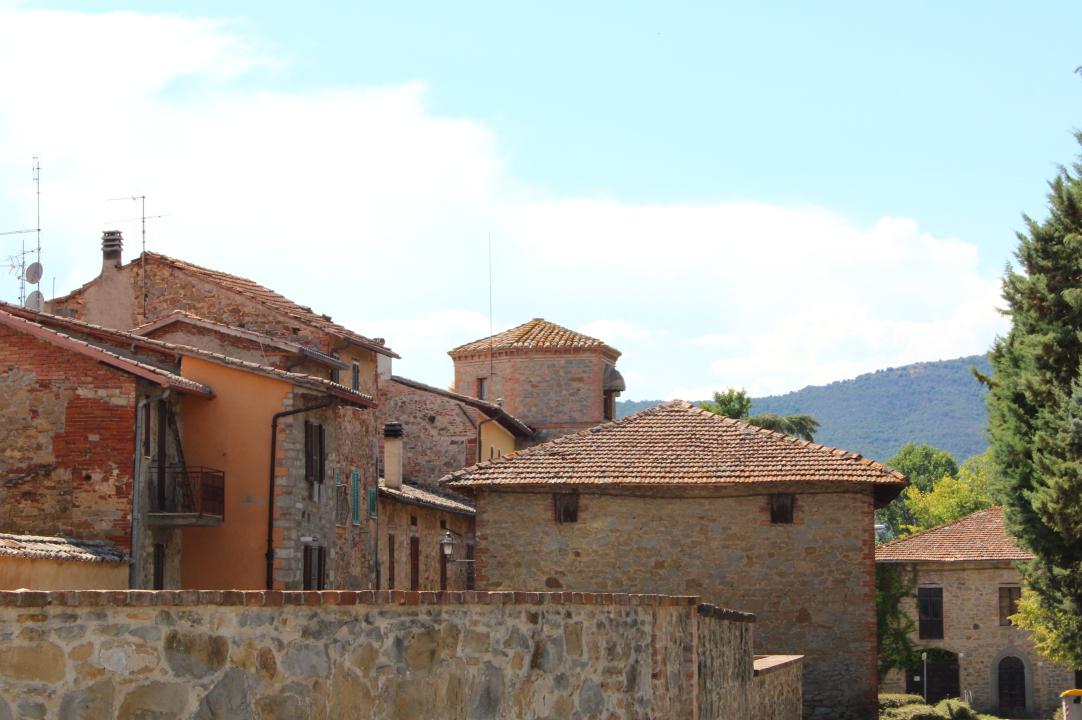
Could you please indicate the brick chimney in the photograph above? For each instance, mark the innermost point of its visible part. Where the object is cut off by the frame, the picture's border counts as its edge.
(392, 455)
(112, 247)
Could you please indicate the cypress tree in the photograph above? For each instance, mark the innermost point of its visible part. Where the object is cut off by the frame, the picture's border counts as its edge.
(1035, 416)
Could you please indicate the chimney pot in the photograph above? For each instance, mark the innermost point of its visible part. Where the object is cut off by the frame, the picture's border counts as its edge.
(112, 247)
(392, 455)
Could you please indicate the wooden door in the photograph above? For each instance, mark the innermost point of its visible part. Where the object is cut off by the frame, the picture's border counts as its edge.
(1012, 686)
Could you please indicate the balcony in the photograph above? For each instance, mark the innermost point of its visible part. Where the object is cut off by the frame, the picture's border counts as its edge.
(186, 496)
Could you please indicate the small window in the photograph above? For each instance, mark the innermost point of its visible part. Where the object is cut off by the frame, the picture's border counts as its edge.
(315, 457)
(336, 375)
(1078, 679)
(781, 508)
(355, 488)
(415, 563)
(566, 507)
(390, 561)
(1008, 603)
(159, 566)
(356, 380)
(930, 613)
(315, 565)
(373, 501)
(482, 388)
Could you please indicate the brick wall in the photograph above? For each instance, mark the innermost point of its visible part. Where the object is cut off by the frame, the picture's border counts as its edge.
(971, 627)
(811, 583)
(556, 393)
(67, 427)
(210, 654)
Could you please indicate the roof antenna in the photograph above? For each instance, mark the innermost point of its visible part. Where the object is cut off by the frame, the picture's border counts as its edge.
(143, 221)
(29, 273)
(491, 371)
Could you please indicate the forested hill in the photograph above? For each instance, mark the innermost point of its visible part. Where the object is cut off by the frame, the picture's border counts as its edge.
(939, 403)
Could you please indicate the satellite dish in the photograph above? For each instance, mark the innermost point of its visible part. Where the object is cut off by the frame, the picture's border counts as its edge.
(34, 301)
(33, 272)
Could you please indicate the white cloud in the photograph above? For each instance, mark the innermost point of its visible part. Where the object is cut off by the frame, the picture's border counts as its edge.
(366, 204)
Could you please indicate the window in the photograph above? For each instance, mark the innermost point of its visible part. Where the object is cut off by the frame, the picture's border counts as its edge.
(390, 561)
(314, 457)
(415, 563)
(443, 567)
(335, 373)
(1008, 603)
(930, 613)
(315, 563)
(159, 566)
(781, 508)
(356, 380)
(1078, 679)
(482, 388)
(609, 403)
(566, 507)
(341, 500)
(146, 428)
(355, 494)
(373, 501)
(471, 579)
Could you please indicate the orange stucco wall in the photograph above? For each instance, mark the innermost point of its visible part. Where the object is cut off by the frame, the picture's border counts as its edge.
(230, 432)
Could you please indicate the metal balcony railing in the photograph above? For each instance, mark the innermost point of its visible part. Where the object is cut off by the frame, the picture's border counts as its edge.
(180, 489)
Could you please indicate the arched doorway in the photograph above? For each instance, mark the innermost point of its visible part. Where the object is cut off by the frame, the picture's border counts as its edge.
(1012, 686)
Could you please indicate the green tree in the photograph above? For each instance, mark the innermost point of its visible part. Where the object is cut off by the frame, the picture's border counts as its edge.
(953, 497)
(893, 627)
(736, 404)
(924, 465)
(1035, 416)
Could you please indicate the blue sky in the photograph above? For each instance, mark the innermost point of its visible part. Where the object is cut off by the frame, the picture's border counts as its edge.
(760, 195)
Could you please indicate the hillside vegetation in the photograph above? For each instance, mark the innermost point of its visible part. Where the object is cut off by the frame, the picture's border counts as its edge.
(938, 403)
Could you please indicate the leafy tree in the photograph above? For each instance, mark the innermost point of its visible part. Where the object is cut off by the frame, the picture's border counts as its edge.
(893, 627)
(953, 497)
(1035, 416)
(924, 465)
(736, 404)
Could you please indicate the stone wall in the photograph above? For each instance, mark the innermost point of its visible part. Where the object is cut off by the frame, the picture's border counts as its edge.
(971, 628)
(439, 433)
(269, 655)
(398, 522)
(67, 443)
(810, 583)
(554, 393)
(776, 689)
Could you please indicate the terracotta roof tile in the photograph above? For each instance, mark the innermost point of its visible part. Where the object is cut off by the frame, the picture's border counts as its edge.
(537, 334)
(428, 497)
(37, 547)
(273, 300)
(676, 443)
(980, 536)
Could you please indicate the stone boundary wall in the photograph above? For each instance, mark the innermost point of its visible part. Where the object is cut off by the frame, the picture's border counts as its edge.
(776, 689)
(371, 654)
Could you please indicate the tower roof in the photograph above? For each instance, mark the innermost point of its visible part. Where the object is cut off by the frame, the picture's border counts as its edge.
(537, 334)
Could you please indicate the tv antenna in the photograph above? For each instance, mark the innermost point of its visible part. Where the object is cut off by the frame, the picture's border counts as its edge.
(143, 223)
(29, 273)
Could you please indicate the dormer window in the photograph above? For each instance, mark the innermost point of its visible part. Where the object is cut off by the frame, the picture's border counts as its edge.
(482, 388)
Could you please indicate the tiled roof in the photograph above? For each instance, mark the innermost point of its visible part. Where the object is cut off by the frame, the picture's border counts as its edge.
(80, 326)
(677, 443)
(155, 374)
(428, 497)
(37, 547)
(275, 301)
(538, 334)
(494, 411)
(980, 536)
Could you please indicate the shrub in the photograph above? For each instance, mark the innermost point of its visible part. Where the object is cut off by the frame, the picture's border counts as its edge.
(956, 710)
(897, 700)
(912, 712)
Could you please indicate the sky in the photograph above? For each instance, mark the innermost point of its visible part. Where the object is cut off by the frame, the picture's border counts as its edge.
(759, 195)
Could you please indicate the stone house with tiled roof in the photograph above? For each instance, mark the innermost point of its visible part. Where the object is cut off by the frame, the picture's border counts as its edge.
(677, 500)
(965, 588)
(554, 379)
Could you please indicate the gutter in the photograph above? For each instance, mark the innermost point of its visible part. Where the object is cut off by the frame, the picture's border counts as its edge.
(270, 484)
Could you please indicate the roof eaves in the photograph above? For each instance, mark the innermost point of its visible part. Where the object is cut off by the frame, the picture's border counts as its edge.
(492, 410)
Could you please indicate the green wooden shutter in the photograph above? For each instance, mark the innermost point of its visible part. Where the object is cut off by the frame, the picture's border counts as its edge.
(355, 482)
(373, 501)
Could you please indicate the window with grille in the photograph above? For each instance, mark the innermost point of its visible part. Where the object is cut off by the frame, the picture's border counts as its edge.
(930, 613)
(1008, 603)
(566, 507)
(315, 565)
(781, 508)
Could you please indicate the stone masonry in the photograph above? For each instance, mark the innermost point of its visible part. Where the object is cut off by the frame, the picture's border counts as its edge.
(274, 655)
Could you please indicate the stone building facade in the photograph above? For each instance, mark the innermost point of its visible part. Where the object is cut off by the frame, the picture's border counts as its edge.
(965, 576)
(555, 380)
(677, 500)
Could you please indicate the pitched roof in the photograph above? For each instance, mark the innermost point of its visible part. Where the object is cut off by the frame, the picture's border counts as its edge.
(38, 547)
(537, 334)
(267, 297)
(494, 411)
(440, 499)
(149, 372)
(677, 443)
(980, 536)
(79, 326)
(180, 317)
